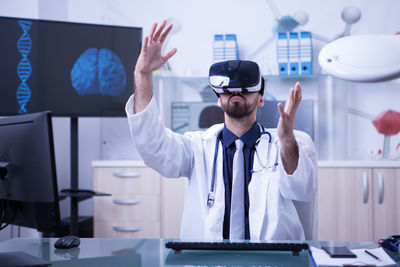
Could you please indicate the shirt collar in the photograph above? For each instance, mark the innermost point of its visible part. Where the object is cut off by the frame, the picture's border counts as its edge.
(249, 138)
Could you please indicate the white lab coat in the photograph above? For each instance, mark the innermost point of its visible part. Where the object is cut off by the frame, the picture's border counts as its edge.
(272, 215)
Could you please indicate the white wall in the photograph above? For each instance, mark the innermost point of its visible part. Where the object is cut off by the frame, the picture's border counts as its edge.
(252, 21)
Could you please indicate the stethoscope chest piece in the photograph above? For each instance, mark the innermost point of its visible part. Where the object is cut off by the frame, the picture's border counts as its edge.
(210, 199)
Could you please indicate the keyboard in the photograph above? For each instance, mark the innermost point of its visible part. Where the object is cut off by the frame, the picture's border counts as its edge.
(267, 246)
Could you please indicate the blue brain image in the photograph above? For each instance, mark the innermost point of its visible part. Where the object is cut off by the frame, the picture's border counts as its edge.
(98, 71)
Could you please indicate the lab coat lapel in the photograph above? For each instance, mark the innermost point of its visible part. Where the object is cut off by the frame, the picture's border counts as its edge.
(258, 189)
(215, 217)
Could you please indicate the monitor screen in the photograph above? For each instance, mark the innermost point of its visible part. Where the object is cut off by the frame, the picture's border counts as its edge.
(28, 181)
(268, 115)
(72, 69)
(194, 116)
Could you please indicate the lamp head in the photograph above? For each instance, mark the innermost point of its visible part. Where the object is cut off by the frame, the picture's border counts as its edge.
(351, 15)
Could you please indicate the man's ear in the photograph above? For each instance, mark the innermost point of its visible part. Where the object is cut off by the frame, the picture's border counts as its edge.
(261, 101)
(219, 102)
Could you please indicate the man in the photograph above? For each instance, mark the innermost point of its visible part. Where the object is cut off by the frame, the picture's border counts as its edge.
(253, 200)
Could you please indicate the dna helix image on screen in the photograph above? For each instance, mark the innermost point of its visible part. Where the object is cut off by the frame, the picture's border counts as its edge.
(24, 69)
(69, 68)
(98, 71)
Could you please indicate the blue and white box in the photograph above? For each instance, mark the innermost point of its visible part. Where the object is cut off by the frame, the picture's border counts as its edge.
(225, 47)
(231, 47)
(282, 52)
(219, 48)
(305, 53)
(294, 46)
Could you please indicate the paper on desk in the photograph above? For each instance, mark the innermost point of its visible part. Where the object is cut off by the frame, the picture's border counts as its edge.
(321, 258)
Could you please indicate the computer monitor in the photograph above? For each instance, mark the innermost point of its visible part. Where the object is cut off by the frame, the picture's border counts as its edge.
(268, 115)
(72, 69)
(28, 181)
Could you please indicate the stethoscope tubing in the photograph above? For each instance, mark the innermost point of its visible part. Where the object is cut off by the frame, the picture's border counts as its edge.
(211, 194)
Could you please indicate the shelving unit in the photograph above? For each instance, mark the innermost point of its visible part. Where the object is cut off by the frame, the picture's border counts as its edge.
(328, 94)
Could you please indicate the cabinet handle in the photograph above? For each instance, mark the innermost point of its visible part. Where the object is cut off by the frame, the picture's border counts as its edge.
(380, 187)
(126, 229)
(126, 201)
(126, 174)
(365, 183)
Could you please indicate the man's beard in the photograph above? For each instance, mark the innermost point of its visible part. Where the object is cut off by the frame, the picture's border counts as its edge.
(239, 110)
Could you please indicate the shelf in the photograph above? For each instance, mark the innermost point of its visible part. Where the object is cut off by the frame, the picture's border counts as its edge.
(198, 83)
(79, 194)
(267, 77)
(299, 77)
(358, 164)
(321, 88)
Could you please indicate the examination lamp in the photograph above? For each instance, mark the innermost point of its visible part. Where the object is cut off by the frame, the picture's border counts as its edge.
(362, 58)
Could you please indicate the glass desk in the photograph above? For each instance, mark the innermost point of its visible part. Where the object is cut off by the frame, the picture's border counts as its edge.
(152, 252)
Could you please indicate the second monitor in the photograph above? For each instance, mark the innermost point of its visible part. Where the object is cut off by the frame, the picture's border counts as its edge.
(28, 181)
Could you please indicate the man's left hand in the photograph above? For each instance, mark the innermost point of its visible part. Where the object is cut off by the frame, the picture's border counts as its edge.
(288, 114)
(289, 148)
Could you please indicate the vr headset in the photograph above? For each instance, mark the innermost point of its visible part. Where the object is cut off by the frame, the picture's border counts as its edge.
(236, 76)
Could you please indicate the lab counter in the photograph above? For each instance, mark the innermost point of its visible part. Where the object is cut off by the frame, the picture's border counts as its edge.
(359, 164)
(321, 163)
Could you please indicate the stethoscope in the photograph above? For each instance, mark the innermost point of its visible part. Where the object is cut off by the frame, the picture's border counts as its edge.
(211, 193)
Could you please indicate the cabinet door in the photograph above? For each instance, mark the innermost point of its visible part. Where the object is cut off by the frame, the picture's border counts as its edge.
(386, 202)
(133, 209)
(172, 198)
(344, 204)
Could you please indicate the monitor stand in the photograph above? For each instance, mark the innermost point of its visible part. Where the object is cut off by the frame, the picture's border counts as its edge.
(74, 193)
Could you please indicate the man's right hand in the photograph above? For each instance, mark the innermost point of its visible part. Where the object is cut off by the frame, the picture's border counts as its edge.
(150, 58)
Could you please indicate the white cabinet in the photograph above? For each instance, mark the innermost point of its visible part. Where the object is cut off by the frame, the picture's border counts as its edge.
(344, 204)
(142, 203)
(358, 204)
(355, 203)
(386, 202)
(133, 209)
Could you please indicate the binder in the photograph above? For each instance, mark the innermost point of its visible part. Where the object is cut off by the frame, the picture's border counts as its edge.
(282, 53)
(305, 53)
(225, 47)
(231, 48)
(294, 46)
(219, 47)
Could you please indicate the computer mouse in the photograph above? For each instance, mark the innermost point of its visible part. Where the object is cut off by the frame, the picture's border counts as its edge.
(69, 241)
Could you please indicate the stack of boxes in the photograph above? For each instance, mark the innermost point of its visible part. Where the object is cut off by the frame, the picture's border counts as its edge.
(294, 53)
(225, 47)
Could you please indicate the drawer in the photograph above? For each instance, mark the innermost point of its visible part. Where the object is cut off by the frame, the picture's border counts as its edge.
(127, 208)
(108, 229)
(126, 180)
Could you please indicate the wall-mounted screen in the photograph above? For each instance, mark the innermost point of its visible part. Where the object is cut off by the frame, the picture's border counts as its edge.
(72, 69)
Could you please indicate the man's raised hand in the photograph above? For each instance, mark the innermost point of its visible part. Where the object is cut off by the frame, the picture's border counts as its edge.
(288, 114)
(150, 58)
